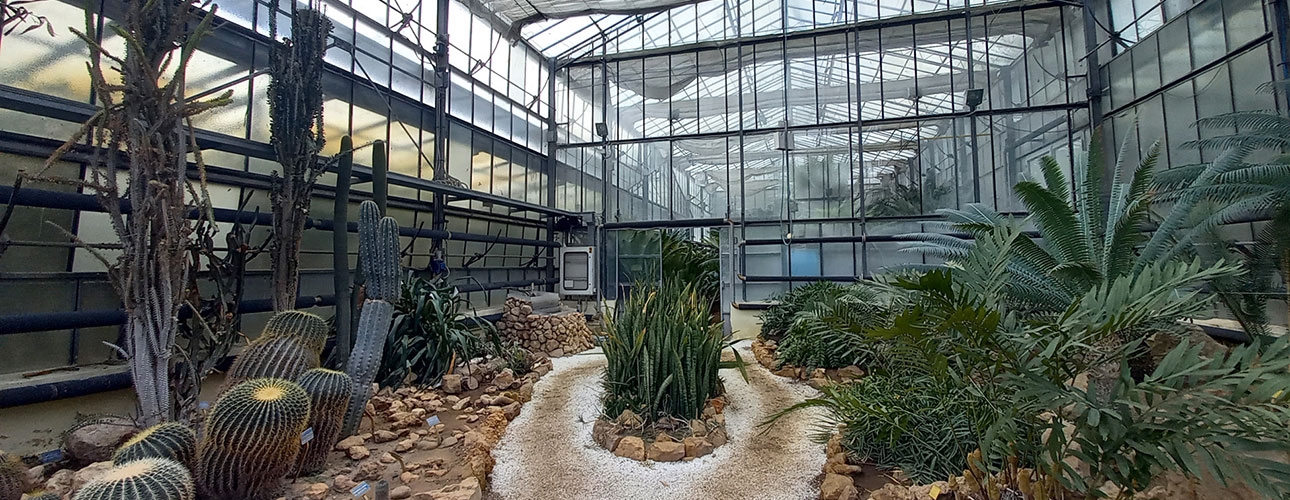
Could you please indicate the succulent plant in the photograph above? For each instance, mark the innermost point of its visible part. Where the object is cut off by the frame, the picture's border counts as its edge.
(13, 477)
(342, 281)
(143, 479)
(44, 495)
(309, 329)
(251, 439)
(171, 440)
(283, 358)
(378, 255)
(329, 392)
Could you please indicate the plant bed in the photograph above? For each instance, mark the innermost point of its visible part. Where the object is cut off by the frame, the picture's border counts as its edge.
(764, 351)
(665, 440)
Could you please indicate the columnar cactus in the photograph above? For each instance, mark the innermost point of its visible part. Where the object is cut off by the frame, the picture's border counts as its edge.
(13, 477)
(283, 358)
(329, 392)
(310, 330)
(251, 440)
(171, 440)
(380, 167)
(341, 279)
(143, 479)
(378, 254)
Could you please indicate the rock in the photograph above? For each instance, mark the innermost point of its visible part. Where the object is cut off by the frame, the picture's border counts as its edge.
(405, 445)
(504, 378)
(95, 442)
(400, 492)
(838, 487)
(664, 451)
(526, 391)
(629, 420)
(470, 383)
(698, 428)
(605, 434)
(717, 437)
(61, 483)
(557, 353)
(452, 383)
(448, 442)
(342, 483)
(696, 447)
(316, 491)
(89, 473)
(787, 371)
(631, 447)
(349, 442)
(467, 489)
(850, 372)
(384, 436)
(427, 444)
(511, 410)
(387, 458)
(369, 470)
(358, 452)
(819, 382)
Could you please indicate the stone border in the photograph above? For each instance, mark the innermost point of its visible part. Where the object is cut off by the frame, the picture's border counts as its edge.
(764, 351)
(627, 438)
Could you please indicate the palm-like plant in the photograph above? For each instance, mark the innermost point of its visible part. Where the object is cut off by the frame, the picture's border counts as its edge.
(1084, 240)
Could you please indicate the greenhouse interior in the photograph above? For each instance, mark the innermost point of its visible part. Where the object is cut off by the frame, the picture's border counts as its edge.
(612, 249)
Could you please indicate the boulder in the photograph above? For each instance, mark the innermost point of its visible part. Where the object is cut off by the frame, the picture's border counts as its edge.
(838, 487)
(696, 447)
(400, 492)
(384, 436)
(349, 442)
(96, 441)
(89, 473)
(359, 452)
(452, 383)
(605, 434)
(511, 410)
(631, 447)
(664, 451)
(717, 437)
(504, 379)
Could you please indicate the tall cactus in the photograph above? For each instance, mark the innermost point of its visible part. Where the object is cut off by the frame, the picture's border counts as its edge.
(171, 440)
(378, 255)
(251, 440)
(283, 358)
(329, 392)
(309, 329)
(341, 279)
(13, 477)
(380, 183)
(143, 479)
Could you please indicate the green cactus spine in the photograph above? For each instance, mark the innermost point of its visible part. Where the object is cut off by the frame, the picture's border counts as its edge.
(251, 439)
(41, 495)
(341, 279)
(171, 440)
(310, 330)
(283, 358)
(329, 392)
(13, 477)
(143, 479)
(378, 254)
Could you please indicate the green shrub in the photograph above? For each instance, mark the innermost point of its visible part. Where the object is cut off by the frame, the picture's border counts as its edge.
(830, 333)
(663, 351)
(430, 329)
(777, 320)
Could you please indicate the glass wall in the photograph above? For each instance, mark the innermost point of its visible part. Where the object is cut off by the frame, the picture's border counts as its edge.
(378, 86)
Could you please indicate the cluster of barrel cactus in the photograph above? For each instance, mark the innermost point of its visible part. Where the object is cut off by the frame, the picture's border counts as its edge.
(13, 477)
(291, 343)
(251, 439)
(329, 392)
(171, 440)
(142, 479)
(378, 258)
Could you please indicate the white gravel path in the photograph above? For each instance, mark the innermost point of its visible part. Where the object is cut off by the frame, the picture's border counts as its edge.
(547, 452)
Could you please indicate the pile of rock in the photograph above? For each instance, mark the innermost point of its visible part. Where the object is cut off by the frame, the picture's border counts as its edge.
(764, 351)
(540, 323)
(668, 440)
(839, 476)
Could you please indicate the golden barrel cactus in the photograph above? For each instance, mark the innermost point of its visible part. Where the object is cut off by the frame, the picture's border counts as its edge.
(171, 440)
(251, 439)
(282, 357)
(142, 479)
(309, 329)
(13, 477)
(329, 392)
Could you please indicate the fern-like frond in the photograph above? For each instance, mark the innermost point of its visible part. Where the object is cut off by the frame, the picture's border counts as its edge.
(1056, 220)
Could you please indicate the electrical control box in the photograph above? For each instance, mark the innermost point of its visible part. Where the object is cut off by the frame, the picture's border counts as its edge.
(578, 271)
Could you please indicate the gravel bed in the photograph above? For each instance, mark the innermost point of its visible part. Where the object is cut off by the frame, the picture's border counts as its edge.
(547, 452)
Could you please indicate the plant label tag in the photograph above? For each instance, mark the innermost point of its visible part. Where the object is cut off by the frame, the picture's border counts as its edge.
(433, 420)
(51, 456)
(935, 492)
(359, 490)
(307, 436)
(203, 405)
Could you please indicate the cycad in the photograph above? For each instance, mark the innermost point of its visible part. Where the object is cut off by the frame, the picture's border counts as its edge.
(1083, 241)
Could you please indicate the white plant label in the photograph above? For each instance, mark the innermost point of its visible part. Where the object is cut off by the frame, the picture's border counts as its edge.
(433, 420)
(359, 490)
(307, 436)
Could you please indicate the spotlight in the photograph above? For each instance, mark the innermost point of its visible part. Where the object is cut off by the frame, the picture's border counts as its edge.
(974, 97)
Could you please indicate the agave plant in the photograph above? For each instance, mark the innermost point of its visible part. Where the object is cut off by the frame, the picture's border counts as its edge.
(429, 331)
(663, 351)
